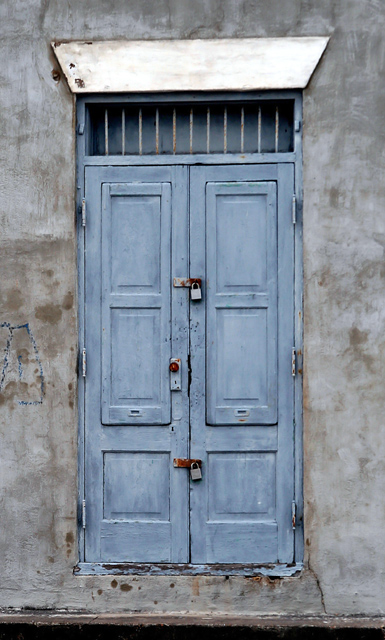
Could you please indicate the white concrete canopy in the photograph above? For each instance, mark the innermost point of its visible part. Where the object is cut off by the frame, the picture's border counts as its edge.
(189, 65)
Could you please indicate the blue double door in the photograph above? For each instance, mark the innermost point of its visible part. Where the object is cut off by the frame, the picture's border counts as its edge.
(230, 226)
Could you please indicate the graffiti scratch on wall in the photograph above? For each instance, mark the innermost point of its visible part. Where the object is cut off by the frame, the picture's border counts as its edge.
(22, 372)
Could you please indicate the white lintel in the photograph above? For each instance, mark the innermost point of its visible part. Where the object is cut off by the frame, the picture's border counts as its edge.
(189, 65)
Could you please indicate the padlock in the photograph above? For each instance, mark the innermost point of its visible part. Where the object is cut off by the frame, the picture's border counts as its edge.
(195, 471)
(196, 291)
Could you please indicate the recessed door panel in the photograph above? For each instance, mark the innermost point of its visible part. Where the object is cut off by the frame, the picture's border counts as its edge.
(136, 268)
(241, 273)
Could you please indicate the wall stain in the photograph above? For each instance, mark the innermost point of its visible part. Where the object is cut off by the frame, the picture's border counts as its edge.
(68, 301)
(50, 313)
(357, 341)
(125, 587)
(114, 584)
(14, 300)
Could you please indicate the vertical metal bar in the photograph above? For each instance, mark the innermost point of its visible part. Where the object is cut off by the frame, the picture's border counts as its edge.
(174, 131)
(106, 132)
(191, 130)
(242, 130)
(276, 128)
(157, 132)
(259, 129)
(225, 130)
(208, 131)
(140, 132)
(123, 132)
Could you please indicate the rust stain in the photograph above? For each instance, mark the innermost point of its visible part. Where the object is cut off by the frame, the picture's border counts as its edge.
(70, 538)
(114, 584)
(80, 83)
(125, 587)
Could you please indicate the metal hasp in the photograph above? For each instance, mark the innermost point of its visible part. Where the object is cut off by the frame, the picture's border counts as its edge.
(175, 374)
(187, 282)
(185, 463)
(194, 464)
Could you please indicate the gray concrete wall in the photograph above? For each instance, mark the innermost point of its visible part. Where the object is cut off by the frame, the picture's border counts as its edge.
(344, 243)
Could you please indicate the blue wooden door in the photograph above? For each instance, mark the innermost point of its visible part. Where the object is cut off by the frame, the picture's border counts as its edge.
(241, 244)
(136, 239)
(230, 226)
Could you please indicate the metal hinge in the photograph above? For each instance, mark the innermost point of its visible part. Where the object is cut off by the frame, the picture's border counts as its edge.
(293, 362)
(294, 209)
(81, 128)
(84, 514)
(84, 363)
(83, 212)
(293, 514)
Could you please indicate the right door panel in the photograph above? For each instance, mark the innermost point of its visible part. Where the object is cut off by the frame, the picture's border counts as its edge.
(241, 245)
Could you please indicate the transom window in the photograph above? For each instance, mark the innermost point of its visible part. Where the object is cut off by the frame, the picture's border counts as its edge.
(199, 128)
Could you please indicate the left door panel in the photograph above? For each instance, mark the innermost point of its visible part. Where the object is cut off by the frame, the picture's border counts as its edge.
(137, 506)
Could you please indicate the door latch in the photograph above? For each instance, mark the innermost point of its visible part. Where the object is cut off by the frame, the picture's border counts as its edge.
(194, 464)
(195, 285)
(175, 374)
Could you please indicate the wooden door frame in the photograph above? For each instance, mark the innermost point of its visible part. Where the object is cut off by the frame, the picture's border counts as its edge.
(295, 158)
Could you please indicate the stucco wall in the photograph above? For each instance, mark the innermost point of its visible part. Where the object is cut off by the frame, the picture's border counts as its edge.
(344, 243)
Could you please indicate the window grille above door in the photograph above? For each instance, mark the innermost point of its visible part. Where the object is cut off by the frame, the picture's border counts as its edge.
(206, 128)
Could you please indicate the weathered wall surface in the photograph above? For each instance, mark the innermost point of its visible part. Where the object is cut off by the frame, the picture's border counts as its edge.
(344, 243)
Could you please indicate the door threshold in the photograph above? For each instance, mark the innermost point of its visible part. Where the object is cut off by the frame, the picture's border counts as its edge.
(248, 570)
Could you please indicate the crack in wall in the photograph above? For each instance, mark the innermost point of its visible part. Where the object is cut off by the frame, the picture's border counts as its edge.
(318, 585)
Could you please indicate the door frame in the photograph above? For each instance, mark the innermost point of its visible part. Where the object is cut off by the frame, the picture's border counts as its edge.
(295, 158)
